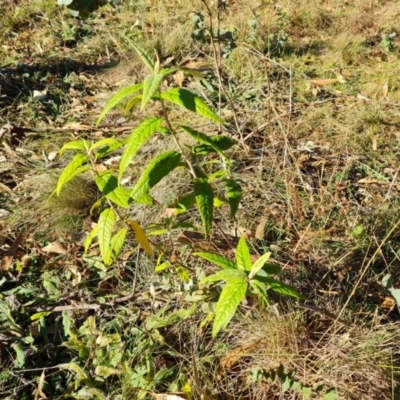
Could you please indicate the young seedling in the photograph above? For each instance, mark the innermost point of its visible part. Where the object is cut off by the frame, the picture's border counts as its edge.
(240, 278)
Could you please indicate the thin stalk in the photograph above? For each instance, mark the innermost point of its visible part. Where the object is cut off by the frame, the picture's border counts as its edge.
(174, 135)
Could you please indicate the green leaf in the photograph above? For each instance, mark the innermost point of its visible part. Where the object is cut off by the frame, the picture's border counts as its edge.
(331, 395)
(280, 287)
(136, 140)
(157, 169)
(109, 187)
(75, 145)
(232, 294)
(151, 84)
(216, 259)
(357, 231)
(205, 201)
(39, 315)
(184, 203)
(118, 97)
(90, 236)
(260, 289)
(226, 275)
(112, 190)
(223, 142)
(396, 294)
(234, 194)
(145, 57)
(132, 103)
(105, 372)
(202, 138)
(259, 264)
(243, 259)
(188, 71)
(106, 146)
(106, 224)
(183, 274)
(109, 142)
(191, 102)
(162, 266)
(19, 361)
(117, 242)
(71, 170)
(272, 269)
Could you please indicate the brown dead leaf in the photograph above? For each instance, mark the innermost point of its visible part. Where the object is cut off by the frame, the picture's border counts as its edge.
(388, 304)
(11, 252)
(4, 188)
(76, 126)
(34, 328)
(56, 248)
(370, 181)
(179, 77)
(260, 228)
(39, 390)
(169, 212)
(170, 396)
(240, 231)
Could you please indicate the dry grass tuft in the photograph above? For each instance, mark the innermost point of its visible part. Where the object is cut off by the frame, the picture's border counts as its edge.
(351, 359)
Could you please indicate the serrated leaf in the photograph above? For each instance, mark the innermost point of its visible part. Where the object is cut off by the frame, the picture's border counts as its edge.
(234, 194)
(272, 269)
(106, 146)
(117, 242)
(107, 142)
(75, 145)
(188, 71)
(223, 142)
(259, 264)
(232, 294)
(184, 203)
(132, 103)
(140, 237)
(136, 140)
(280, 287)
(243, 259)
(226, 275)
(104, 233)
(217, 259)
(191, 102)
(259, 287)
(144, 56)
(205, 202)
(109, 187)
(90, 237)
(219, 201)
(202, 138)
(157, 169)
(151, 84)
(71, 170)
(118, 97)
